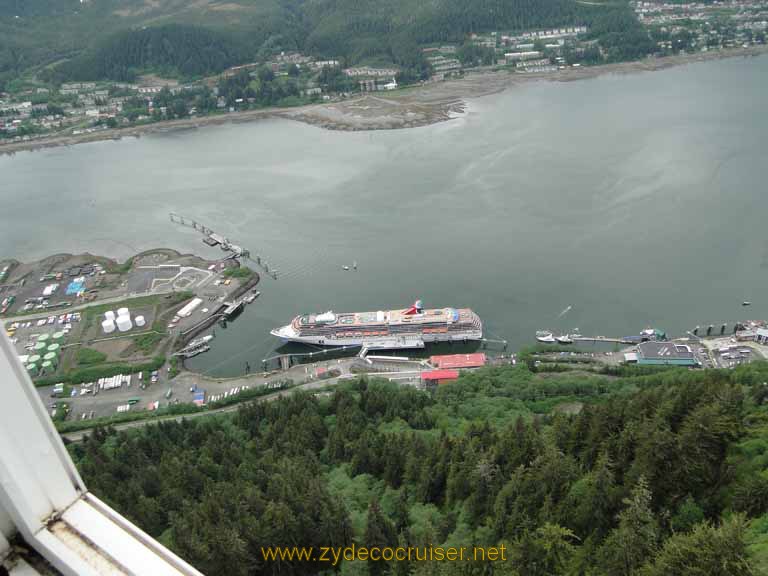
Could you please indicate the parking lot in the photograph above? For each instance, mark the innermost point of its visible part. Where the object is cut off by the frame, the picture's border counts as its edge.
(52, 291)
(727, 352)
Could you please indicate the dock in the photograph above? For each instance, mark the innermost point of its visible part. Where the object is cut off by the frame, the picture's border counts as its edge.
(593, 339)
(286, 359)
(212, 239)
(233, 308)
(401, 343)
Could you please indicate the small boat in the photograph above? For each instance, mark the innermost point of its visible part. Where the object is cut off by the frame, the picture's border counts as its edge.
(545, 336)
(564, 339)
(198, 342)
(354, 264)
(196, 351)
(345, 267)
(745, 303)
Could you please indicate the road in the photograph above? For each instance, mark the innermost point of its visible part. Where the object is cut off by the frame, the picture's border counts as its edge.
(105, 402)
(78, 436)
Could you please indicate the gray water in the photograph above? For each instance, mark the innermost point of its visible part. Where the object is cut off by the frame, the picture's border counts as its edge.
(636, 199)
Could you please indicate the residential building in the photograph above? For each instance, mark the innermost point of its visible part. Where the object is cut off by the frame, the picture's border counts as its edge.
(518, 56)
(368, 71)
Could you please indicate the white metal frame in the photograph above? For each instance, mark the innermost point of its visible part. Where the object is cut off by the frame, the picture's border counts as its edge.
(43, 497)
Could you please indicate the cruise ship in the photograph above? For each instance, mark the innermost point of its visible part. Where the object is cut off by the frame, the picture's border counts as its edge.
(405, 328)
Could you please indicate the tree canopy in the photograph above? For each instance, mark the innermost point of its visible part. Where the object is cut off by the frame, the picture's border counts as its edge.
(646, 479)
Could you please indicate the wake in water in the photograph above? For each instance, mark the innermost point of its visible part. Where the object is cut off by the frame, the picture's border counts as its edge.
(564, 312)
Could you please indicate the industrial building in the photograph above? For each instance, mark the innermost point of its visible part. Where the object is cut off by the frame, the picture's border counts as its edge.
(662, 354)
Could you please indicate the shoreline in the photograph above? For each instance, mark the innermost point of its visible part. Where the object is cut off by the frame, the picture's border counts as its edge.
(411, 107)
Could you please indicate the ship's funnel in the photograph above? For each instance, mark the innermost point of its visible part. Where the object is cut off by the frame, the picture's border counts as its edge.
(417, 308)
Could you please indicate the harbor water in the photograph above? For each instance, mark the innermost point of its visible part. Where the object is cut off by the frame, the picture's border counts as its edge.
(636, 200)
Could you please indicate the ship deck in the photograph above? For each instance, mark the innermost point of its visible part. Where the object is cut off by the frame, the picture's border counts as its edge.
(441, 316)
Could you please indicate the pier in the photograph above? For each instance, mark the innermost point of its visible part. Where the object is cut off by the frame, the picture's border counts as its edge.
(233, 308)
(203, 324)
(401, 343)
(286, 359)
(593, 339)
(212, 239)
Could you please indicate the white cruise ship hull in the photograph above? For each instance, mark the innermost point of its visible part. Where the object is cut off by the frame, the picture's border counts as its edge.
(412, 340)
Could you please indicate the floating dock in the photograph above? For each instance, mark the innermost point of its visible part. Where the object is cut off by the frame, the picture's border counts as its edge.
(233, 308)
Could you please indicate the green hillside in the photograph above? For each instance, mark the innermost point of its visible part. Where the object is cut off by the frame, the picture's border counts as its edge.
(169, 49)
(657, 474)
(40, 32)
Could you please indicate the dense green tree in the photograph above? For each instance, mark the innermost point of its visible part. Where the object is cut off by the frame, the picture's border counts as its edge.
(171, 49)
(687, 516)
(705, 551)
(379, 533)
(557, 544)
(636, 537)
(593, 493)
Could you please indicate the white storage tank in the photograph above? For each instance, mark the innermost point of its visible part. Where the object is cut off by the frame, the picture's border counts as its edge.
(108, 326)
(139, 321)
(123, 312)
(109, 315)
(124, 323)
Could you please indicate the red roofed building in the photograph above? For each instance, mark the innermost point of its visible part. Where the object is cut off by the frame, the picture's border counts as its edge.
(439, 376)
(458, 360)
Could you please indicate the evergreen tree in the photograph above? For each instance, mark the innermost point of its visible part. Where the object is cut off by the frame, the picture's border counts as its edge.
(636, 537)
(379, 533)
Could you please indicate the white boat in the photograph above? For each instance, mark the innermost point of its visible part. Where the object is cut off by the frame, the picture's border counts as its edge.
(199, 342)
(545, 336)
(196, 351)
(251, 297)
(564, 339)
(345, 267)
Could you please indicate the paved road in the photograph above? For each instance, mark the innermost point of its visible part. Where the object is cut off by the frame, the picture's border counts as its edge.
(183, 382)
(78, 436)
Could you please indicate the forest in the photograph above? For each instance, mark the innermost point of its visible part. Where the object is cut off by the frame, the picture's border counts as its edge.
(652, 474)
(173, 49)
(116, 39)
